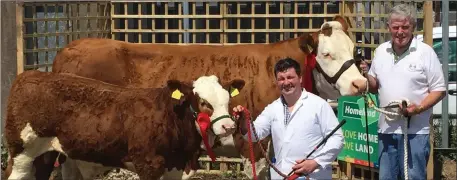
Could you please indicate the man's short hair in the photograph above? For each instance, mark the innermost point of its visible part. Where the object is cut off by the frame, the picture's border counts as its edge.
(284, 64)
(403, 10)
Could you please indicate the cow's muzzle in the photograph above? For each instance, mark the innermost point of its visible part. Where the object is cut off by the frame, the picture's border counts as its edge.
(229, 129)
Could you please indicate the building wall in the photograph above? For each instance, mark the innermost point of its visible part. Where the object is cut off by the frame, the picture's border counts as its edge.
(8, 51)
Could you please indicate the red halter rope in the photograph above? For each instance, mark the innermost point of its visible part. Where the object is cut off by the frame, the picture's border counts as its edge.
(307, 77)
(203, 121)
(247, 115)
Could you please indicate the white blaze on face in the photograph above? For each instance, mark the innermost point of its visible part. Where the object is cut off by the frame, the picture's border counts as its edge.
(209, 89)
(333, 52)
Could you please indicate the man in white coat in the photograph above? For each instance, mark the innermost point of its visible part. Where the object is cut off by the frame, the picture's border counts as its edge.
(297, 121)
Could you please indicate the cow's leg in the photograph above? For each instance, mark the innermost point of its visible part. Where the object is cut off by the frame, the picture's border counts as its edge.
(33, 146)
(89, 170)
(186, 176)
(22, 167)
(9, 167)
(149, 168)
(70, 170)
(44, 164)
(176, 174)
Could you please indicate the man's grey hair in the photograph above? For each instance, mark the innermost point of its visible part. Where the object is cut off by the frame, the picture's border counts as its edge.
(403, 10)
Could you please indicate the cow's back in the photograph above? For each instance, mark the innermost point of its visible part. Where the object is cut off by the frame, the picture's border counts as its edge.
(50, 101)
(90, 57)
(94, 121)
(151, 65)
(63, 106)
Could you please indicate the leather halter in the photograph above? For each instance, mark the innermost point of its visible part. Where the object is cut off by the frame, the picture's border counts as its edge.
(195, 113)
(332, 80)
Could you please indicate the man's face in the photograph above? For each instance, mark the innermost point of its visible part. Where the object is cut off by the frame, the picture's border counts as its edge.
(288, 81)
(401, 30)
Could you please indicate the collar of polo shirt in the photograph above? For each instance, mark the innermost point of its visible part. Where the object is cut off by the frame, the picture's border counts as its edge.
(412, 47)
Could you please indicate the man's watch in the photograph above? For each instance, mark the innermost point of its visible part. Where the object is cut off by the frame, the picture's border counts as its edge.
(419, 109)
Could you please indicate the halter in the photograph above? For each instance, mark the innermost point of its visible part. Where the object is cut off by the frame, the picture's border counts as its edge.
(195, 113)
(332, 80)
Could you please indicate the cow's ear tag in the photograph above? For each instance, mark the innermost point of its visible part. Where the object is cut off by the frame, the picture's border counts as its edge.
(176, 94)
(234, 91)
(310, 49)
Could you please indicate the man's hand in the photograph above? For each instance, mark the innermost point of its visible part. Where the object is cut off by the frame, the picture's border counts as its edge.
(412, 109)
(305, 167)
(364, 67)
(236, 111)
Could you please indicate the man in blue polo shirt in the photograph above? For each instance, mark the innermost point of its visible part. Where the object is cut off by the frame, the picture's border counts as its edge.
(405, 68)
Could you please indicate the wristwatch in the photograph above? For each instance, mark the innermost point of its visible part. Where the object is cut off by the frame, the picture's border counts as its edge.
(419, 109)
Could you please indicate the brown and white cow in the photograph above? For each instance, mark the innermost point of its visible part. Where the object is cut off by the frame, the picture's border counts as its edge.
(150, 65)
(145, 130)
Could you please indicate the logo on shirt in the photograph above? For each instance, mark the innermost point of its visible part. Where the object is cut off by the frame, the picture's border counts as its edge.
(414, 67)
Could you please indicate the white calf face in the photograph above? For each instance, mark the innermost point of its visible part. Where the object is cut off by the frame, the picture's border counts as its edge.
(214, 100)
(334, 49)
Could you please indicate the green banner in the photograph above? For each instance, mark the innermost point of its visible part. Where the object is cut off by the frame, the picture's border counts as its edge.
(352, 109)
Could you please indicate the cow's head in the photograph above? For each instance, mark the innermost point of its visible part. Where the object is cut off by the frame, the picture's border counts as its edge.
(208, 98)
(334, 53)
(214, 101)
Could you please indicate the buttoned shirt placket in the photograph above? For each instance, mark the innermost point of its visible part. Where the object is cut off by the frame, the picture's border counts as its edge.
(286, 113)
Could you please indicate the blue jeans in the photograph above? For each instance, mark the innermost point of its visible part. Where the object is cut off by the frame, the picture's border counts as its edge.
(391, 156)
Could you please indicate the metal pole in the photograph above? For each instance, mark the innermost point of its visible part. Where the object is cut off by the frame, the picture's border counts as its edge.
(445, 101)
(185, 6)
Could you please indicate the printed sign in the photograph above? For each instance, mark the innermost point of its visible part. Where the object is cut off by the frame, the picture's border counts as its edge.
(352, 109)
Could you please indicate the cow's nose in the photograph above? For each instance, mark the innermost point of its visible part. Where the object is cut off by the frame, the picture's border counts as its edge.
(358, 86)
(229, 128)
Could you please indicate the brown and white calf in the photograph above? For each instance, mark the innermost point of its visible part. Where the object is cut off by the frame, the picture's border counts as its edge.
(95, 124)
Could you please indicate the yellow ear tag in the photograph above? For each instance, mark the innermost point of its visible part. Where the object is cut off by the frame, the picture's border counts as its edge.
(176, 94)
(234, 91)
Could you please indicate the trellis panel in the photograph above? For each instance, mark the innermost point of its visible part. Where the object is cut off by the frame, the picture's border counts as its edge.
(368, 22)
(48, 26)
(217, 22)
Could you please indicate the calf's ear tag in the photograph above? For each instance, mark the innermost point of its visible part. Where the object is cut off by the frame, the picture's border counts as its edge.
(234, 92)
(176, 94)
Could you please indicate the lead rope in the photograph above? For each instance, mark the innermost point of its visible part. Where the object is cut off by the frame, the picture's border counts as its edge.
(251, 123)
(251, 148)
(404, 103)
(56, 162)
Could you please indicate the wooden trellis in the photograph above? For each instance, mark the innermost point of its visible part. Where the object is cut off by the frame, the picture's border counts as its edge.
(368, 22)
(224, 165)
(46, 27)
(217, 22)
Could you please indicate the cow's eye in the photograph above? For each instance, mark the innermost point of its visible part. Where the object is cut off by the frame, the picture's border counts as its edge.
(205, 103)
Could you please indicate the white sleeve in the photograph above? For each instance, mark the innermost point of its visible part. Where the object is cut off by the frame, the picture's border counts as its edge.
(330, 150)
(372, 70)
(434, 72)
(262, 124)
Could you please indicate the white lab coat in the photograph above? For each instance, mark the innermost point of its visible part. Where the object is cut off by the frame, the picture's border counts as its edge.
(311, 119)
